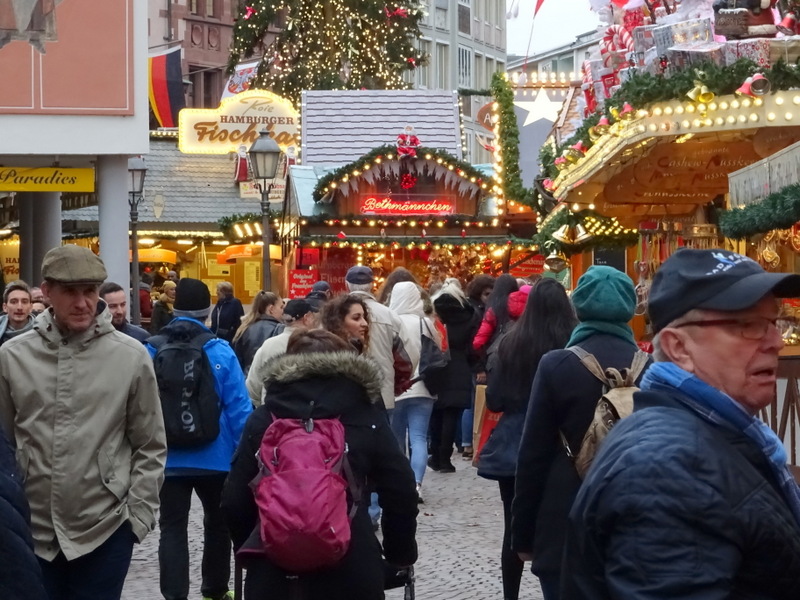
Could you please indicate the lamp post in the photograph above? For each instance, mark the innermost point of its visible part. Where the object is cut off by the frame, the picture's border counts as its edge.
(265, 154)
(137, 170)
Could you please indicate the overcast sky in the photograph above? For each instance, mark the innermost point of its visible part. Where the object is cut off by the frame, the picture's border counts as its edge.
(558, 22)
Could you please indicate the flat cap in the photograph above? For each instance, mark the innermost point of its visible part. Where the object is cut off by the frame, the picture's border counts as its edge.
(73, 265)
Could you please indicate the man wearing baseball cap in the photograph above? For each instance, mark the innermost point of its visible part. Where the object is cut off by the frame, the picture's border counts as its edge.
(297, 314)
(690, 496)
(79, 401)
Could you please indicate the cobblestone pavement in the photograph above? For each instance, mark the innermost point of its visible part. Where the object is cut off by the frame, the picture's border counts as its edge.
(459, 532)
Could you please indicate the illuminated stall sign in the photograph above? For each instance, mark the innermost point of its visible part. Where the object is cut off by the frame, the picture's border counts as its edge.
(382, 205)
(237, 123)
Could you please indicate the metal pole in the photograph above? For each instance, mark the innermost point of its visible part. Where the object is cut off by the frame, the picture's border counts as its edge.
(136, 310)
(266, 275)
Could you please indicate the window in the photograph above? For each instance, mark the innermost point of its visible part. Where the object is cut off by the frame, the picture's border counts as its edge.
(469, 142)
(440, 19)
(464, 67)
(442, 66)
(210, 9)
(480, 74)
(424, 71)
(465, 16)
(425, 6)
(194, 7)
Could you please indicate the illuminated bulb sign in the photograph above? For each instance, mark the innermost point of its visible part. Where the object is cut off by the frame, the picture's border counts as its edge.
(375, 205)
(237, 122)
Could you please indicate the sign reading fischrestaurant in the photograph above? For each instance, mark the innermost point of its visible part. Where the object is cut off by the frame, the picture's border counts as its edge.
(46, 179)
(237, 122)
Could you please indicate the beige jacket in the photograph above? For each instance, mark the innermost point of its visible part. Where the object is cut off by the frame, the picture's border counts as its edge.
(272, 347)
(384, 329)
(84, 414)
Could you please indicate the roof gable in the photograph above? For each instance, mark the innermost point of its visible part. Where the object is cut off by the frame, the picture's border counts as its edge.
(341, 126)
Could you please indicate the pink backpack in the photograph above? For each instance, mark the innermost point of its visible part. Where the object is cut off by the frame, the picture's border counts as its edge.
(301, 494)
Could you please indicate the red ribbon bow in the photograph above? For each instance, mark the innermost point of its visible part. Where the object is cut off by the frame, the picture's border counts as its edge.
(250, 11)
(397, 12)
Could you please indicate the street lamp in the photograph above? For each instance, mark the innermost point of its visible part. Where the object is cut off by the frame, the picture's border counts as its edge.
(265, 154)
(137, 170)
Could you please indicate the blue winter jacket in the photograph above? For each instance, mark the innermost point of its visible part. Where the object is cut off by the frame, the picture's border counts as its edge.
(675, 507)
(236, 407)
(20, 575)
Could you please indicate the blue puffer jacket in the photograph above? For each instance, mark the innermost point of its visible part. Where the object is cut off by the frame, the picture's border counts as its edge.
(20, 576)
(675, 507)
(236, 407)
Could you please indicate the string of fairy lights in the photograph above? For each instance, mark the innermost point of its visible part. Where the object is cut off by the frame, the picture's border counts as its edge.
(336, 44)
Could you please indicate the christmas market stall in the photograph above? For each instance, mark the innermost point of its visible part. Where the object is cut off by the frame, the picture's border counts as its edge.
(383, 183)
(678, 97)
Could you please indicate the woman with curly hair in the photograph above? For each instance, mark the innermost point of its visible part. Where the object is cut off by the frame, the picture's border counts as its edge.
(346, 316)
(396, 276)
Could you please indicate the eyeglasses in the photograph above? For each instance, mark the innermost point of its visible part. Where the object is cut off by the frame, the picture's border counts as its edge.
(755, 328)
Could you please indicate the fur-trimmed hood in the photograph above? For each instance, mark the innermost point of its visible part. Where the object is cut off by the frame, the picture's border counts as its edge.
(290, 368)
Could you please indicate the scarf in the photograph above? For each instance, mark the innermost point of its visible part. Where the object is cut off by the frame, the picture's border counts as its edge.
(720, 409)
(167, 301)
(589, 328)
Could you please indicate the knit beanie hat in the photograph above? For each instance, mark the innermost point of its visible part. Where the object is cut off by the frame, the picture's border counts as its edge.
(192, 299)
(604, 294)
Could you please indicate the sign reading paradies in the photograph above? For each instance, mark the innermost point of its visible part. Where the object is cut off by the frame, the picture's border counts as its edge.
(46, 179)
(237, 122)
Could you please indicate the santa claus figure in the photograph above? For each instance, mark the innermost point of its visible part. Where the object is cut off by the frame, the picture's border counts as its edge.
(407, 143)
(242, 169)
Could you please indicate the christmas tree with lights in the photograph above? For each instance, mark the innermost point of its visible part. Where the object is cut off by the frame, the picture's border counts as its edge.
(331, 45)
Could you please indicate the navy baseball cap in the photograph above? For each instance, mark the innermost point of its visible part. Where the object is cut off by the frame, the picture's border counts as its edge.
(321, 286)
(715, 280)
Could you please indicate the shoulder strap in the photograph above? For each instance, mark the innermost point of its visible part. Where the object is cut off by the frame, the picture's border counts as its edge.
(637, 366)
(590, 362)
(201, 339)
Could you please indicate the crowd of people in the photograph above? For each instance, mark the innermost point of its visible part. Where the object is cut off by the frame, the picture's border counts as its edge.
(108, 429)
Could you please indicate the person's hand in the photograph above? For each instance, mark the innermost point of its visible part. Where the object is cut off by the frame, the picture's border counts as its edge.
(525, 556)
(480, 377)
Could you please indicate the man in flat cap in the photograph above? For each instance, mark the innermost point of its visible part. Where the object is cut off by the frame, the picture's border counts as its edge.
(691, 496)
(79, 401)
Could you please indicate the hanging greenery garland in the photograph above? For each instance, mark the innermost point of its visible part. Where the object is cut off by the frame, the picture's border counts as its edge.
(508, 140)
(779, 210)
(226, 224)
(465, 169)
(613, 234)
(644, 89)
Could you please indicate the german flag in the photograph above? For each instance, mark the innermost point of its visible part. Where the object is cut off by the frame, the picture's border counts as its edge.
(166, 86)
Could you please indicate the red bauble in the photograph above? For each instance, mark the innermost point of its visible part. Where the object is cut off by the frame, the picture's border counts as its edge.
(408, 181)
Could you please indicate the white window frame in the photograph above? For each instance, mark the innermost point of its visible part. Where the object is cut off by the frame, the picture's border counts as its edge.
(466, 63)
(425, 47)
(442, 69)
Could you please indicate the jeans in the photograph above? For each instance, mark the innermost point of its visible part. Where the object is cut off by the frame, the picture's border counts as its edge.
(98, 575)
(466, 420)
(173, 547)
(413, 414)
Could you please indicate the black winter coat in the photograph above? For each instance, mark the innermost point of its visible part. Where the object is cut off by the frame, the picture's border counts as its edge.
(327, 385)
(462, 323)
(676, 507)
(226, 318)
(20, 575)
(161, 317)
(251, 339)
(563, 398)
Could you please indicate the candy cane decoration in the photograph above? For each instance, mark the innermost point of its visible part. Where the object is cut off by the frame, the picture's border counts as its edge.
(616, 40)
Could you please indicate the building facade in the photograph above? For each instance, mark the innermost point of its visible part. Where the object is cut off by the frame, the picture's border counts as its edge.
(204, 30)
(466, 43)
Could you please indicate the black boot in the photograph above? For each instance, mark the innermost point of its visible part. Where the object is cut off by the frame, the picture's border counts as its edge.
(445, 466)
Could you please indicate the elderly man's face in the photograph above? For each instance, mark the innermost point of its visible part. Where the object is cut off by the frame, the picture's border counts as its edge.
(719, 354)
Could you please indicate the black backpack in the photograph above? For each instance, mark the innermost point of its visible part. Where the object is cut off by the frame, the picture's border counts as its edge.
(189, 399)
